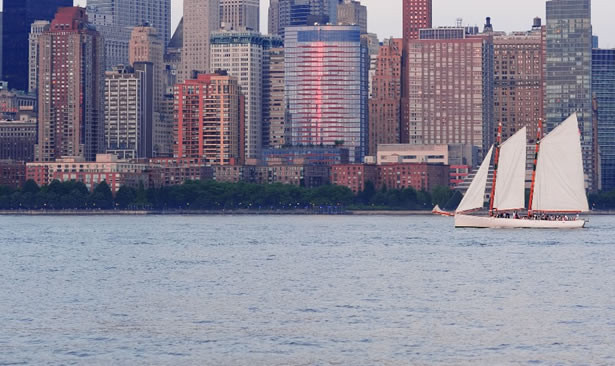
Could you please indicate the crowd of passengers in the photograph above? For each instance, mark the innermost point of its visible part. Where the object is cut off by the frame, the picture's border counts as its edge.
(541, 217)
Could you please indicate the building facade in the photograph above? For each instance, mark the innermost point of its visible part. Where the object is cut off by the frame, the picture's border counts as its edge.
(14, 103)
(37, 28)
(603, 88)
(129, 113)
(351, 12)
(18, 15)
(12, 173)
(450, 89)
(309, 176)
(146, 46)
(17, 139)
(385, 102)
(519, 93)
(209, 113)
(305, 156)
(240, 14)
(115, 19)
(326, 71)
(106, 167)
(243, 55)
(416, 15)
(201, 18)
(71, 93)
(274, 106)
(286, 13)
(568, 72)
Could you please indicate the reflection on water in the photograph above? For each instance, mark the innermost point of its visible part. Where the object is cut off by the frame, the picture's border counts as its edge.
(280, 290)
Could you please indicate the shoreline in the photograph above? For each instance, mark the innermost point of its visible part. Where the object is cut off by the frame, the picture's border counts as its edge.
(231, 213)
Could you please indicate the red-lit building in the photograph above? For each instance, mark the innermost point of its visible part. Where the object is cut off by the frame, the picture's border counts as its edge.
(417, 15)
(450, 92)
(354, 176)
(422, 177)
(392, 176)
(209, 114)
(71, 88)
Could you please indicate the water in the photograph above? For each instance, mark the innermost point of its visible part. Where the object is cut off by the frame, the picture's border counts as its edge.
(297, 290)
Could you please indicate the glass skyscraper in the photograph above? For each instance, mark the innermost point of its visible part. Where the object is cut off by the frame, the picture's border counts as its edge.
(18, 16)
(603, 88)
(326, 76)
(568, 77)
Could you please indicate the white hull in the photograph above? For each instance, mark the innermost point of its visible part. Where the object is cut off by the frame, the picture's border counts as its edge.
(492, 222)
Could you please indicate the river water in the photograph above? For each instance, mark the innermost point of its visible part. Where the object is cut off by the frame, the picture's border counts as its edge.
(302, 290)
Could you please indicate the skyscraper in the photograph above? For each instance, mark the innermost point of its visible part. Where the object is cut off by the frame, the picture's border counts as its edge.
(568, 78)
(351, 12)
(209, 118)
(519, 80)
(18, 15)
(385, 103)
(273, 17)
(146, 46)
(71, 88)
(114, 19)
(274, 107)
(129, 97)
(603, 88)
(450, 89)
(416, 15)
(240, 14)
(285, 13)
(241, 54)
(326, 87)
(37, 28)
(201, 18)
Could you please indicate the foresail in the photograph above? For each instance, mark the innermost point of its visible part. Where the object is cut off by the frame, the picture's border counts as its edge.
(475, 196)
(560, 181)
(510, 180)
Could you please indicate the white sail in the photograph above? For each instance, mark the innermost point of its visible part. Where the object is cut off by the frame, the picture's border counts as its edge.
(475, 196)
(510, 180)
(560, 181)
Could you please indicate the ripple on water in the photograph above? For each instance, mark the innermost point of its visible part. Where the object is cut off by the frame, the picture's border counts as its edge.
(286, 290)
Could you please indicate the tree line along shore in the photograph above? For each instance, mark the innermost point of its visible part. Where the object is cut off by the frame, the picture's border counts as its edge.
(207, 196)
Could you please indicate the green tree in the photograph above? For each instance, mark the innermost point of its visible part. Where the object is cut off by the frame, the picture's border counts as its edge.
(125, 197)
(30, 186)
(101, 197)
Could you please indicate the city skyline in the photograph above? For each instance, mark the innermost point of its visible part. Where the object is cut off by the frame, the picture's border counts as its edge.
(516, 17)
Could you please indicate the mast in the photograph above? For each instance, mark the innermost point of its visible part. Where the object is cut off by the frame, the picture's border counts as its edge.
(538, 138)
(498, 142)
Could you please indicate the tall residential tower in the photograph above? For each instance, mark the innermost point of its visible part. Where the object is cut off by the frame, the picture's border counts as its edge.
(71, 89)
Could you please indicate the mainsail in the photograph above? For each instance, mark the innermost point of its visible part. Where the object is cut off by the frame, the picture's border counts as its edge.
(510, 182)
(560, 181)
(475, 196)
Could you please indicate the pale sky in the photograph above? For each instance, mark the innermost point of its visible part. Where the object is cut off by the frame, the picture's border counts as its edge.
(384, 16)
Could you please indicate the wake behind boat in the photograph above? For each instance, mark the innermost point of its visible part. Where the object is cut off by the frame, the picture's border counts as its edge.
(557, 194)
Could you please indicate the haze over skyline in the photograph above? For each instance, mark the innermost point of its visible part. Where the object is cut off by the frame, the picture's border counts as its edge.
(384, 16)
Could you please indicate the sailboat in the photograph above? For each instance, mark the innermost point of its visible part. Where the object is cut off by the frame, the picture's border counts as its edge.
(557, 194)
